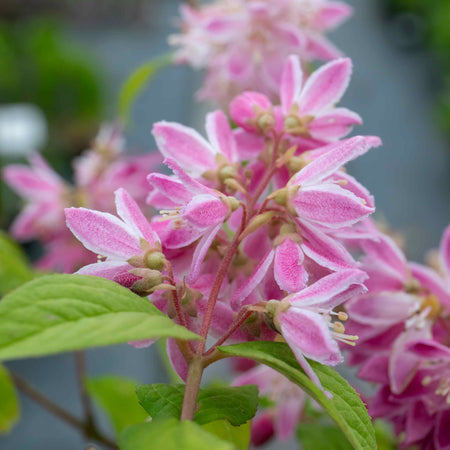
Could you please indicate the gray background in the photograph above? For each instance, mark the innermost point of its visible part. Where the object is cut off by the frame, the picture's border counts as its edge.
(392, 89)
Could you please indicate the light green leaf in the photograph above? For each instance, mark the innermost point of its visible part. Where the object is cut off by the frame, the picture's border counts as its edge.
(59, 313)
(239, 436)
(137, 81)
(9, 405)
(235, 404)
(346, 407)
(14, 268)
(170, 435)
(117, 397)
(314, 436)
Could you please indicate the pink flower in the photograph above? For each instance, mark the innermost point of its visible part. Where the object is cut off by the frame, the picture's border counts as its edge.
(304, 318)
(45, 194)
(120, 241)
(243, 44)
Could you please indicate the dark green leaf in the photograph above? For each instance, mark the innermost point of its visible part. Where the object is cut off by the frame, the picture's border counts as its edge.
(117, 397)
(239, 436)
(170, 435)
(136, 82)
(235, 404)
(346, 407)
(14, 268)
(59, 313)
(9, 405)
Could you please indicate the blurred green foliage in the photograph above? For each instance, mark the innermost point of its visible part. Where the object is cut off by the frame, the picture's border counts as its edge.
(436, 16)
(39, 64)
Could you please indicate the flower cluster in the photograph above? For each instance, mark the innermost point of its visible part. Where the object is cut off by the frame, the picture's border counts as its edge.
(404, 331)
(244, 43)
(246, 243)
(97, 172)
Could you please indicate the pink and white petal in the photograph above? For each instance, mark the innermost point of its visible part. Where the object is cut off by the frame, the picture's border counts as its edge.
(291, 82)
(239, 65)
(173, 238)
(170, 187)
(200, 252)
(192, 185)
(308, 333)
(242, 108)
(444, 252)
(241, 295)
(333, 125)
(257, 244)
(375, 369)
(331, 15)
(26, 225)
(220, 135)
(261, 376)
(186, 145)
(319, 47)
(288, 35)
(176, 358)
(331, 290)
(430, 280)
(204, 211)
(325, 250)
(325, 87)
(330, 205)
(102, 233)
(131, 214)
(333, 157)
(106, 269)
(144, 343)
(383, 309)
(349, 183)
(290, 274)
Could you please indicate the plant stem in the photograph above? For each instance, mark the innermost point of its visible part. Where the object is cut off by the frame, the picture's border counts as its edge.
(192, 388)
(59, 412)
(80, 370)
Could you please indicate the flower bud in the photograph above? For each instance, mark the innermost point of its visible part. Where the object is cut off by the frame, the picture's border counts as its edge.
(246, 109)
(155, 260)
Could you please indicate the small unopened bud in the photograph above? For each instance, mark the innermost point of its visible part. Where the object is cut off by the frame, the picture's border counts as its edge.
(296, 163)
(234, 203)
(292, 123)
(280, 197)
(266, 122)
(257, 222)
(148, 280)
(234, 185)
(227, 172)
(155, 260)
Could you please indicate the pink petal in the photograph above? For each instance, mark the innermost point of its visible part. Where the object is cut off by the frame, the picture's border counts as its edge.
(319, 47)
(37, 219)
(290, 273)
(325, 86)
(177, 359)
(107, 269)
(291, 82)
(102, 233)
(220, 135)
(288, 417)
(384, 309)
(375, 369)
(241, 295)
(444, 252)
(131, 214)
(170, 188)
(429, 349)
(331, 15)
(331, 290)
(333, 157)
(329, 205)
(200, 252)
(441, 433)
(334, 124)
(358, 189)
(262, 428)
(307, 333)
(249, 145)
(205, 210)
(418, 423)
(325, 250)
(186, 145)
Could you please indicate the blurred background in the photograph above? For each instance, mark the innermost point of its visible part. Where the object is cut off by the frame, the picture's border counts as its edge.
(62, 63)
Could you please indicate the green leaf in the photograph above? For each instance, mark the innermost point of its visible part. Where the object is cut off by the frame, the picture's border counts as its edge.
(137, 81)
(235, 404)
(59, 313)
(239, 436)
(9, 405)
(14, 268)
(346, 407)
(314, 436)
(385, 437)
(117, 397)
(170, 435)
